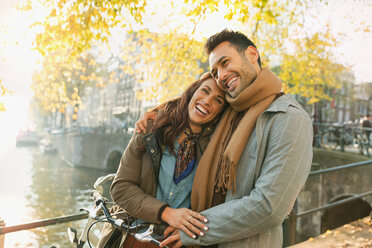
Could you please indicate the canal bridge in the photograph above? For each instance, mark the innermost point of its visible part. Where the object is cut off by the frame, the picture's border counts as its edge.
(100, 151)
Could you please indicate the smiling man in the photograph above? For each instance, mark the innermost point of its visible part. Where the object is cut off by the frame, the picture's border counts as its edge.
(259, 157)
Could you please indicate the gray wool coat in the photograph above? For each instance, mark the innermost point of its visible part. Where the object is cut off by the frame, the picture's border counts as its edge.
(271, 172)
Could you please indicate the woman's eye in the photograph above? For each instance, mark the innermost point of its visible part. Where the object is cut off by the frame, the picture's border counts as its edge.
(205, 91)
(219, 101)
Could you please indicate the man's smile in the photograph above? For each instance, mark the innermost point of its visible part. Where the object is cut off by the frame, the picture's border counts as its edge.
(231, 82)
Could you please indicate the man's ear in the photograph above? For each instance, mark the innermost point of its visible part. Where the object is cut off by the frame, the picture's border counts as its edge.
(252, 54)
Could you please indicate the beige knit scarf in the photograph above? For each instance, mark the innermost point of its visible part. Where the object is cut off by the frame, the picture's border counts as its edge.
(215, 170)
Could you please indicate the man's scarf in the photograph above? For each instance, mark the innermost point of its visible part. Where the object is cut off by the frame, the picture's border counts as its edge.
(216, 170)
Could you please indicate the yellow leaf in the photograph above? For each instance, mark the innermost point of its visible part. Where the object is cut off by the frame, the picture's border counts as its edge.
(2, 107)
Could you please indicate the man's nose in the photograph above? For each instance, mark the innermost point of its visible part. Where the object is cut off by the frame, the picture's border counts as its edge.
(222, 75)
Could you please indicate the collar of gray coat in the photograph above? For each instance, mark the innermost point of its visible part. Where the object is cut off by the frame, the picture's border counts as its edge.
(282, 104)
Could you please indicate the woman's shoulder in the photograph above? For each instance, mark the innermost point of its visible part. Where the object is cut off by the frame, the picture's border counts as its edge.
(137, 140)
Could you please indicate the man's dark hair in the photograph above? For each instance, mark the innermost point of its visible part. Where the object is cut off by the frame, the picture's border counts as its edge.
(239, 40)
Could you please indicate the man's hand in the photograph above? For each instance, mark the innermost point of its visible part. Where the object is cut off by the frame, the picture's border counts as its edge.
(186, 220)
(141, 124)
(174, 240)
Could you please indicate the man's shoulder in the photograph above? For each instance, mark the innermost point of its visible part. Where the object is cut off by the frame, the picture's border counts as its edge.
(285, 113)
(286, 104)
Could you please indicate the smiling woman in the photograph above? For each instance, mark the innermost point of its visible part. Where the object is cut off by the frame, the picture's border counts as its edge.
(173, 146)
(205, 104)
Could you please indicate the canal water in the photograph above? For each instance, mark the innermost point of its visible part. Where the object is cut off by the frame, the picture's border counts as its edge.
(35, 186)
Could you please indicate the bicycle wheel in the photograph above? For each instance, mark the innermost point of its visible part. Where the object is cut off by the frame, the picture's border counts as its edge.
(359, 142)
(329, 140)
(360, 146)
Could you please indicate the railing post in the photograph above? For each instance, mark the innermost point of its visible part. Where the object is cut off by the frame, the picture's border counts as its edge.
(2, 236)
(317, 135)
(342, 138)
(292, 227)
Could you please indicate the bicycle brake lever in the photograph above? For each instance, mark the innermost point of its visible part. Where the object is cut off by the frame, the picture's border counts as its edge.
(146, 236)
(84, 209)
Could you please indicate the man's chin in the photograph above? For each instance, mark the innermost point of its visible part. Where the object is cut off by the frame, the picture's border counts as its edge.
(231, 94)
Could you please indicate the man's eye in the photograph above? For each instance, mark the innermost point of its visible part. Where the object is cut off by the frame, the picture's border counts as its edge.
(224, 63)
(214, 75)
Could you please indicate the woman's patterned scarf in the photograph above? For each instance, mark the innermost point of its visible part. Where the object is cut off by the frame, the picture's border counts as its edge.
(186, 156)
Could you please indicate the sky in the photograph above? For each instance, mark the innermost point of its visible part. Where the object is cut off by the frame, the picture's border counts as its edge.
(348, 16)
(17, 63)
(18, 60)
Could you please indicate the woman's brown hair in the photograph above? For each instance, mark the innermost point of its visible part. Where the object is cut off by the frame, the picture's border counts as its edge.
(176, 115)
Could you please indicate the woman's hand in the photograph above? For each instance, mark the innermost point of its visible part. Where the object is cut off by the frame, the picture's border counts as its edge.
(186, 220)
(141, 124)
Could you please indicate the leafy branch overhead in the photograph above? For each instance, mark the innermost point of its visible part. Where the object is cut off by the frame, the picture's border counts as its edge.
(3, 91)
(169, 58)
(76, 25)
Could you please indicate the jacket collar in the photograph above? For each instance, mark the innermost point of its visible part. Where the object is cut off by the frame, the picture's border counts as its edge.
(282, 104)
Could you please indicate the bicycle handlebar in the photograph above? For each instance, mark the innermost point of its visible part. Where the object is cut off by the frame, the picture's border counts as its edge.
(101, 180)
(146, 237)
(97, 197)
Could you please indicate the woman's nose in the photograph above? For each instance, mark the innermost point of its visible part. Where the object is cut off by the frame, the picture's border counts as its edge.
(207, 100)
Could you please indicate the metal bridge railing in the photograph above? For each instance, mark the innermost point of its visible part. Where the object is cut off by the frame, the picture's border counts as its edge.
(292, 218)
(40, 223)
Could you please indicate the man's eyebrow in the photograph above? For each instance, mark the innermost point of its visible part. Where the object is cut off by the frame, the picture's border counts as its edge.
(220, 59)
(223, 98)
(218, 62)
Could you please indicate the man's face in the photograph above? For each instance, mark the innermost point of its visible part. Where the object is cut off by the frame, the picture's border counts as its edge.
(232, 70)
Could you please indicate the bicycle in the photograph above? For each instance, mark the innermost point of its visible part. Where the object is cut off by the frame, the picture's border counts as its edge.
(95, 217)
(342, 135)
(365, 133)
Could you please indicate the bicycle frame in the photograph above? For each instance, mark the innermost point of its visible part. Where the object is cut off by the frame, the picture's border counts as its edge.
(93, 215)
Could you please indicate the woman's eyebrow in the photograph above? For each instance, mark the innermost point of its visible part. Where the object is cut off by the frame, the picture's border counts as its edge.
(208, 87)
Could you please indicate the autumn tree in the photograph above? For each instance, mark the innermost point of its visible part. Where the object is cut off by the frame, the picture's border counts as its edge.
(171, 57)
(59, 84)
(166, 63)
(310, 70)
(76, 25)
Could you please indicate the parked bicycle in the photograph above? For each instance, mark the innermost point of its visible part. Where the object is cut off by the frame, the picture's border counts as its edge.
(341, 135)
(143, 232)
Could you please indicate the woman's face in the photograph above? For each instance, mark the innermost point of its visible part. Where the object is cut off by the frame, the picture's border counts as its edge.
(206, 103)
